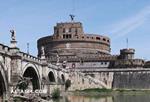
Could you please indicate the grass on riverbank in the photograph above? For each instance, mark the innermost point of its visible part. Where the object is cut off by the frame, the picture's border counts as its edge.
(97, 90)
(110, 92)
(113, 90)
(93, 92)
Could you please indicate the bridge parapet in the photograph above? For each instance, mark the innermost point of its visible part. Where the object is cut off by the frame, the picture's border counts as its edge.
(4, 49)
(10, 51)
(29, 57)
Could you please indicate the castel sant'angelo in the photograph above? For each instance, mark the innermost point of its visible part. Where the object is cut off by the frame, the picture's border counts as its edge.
(72, 55)
(76, 49)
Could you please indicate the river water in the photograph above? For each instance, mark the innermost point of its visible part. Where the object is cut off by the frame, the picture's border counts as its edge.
(115, 98)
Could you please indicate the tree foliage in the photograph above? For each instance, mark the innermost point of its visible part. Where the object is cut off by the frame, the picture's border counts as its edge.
(67, 84)
(56, 93)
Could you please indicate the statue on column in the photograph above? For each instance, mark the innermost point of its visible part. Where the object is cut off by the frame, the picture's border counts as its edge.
(42, 50)
(58, 58)
(13, 42)
(13, 35)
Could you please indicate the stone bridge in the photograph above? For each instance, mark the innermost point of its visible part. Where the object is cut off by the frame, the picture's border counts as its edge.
(15, 64)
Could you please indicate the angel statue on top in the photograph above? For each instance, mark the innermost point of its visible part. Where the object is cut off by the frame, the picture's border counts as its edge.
(13, 35)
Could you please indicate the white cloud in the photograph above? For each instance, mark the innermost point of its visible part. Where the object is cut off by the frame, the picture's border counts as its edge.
(127, 25)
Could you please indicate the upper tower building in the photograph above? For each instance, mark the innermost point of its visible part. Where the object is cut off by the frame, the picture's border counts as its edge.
(69, 39)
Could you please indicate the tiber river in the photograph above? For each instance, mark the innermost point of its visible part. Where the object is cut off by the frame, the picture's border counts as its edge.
(116, 98)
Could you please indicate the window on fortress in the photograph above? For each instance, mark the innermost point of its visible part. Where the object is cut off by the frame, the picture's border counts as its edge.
(69, 29)
(81, 61)
(57, 31)
(76, 31)
(107, 40)
(104, 39)
(67, 36)
(97, 38)
(64, 30)
(64, 36)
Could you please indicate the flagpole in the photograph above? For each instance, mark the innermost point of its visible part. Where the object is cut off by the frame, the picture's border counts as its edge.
(127, 42)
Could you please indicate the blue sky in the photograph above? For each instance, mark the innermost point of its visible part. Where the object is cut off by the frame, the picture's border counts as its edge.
(118, 19)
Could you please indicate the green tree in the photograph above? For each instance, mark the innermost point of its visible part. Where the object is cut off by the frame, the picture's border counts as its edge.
(56, 93)
(67, 84)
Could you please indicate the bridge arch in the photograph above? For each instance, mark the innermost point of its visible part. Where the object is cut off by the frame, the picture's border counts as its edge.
(3, 81)
(32, 72)
(51, 77)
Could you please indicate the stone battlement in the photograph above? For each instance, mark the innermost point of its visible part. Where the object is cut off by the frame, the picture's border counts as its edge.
(128, 51)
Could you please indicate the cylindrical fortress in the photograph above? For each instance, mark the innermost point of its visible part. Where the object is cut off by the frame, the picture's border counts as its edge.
(69, 38)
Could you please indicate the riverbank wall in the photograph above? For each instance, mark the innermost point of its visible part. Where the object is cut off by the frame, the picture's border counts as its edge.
(131, 80)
